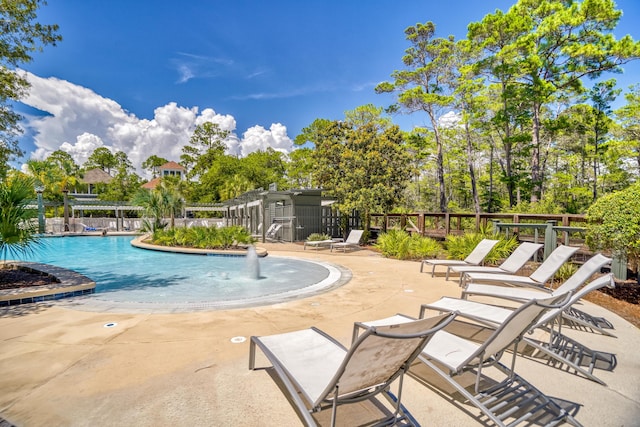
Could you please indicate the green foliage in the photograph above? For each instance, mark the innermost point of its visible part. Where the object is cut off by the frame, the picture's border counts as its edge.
(567, 270)
(203, 237)
(364, 166)
(101, 158)
(205, 145)
(423, 247)
(152, 164)
(459, 247)
(159, 203)
(613, 224)
(20, 36)
(401, 245)
(17, 226)
(316, 237)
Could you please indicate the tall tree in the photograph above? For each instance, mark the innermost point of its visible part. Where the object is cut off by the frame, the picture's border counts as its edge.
(101, 158)
(299, 168)
(206, 143)
(555, 44)
(20, 36)
(469, 100)
(152, 164)
(125, 183)
(629, 117)
(366, 167)
(426, 84)
(601, 96)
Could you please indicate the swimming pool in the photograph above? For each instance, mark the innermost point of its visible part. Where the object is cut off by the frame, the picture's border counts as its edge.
(143, 278)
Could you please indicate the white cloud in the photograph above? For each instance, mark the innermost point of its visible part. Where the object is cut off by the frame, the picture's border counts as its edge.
(80, 121)
(450, 120)
(258, 138)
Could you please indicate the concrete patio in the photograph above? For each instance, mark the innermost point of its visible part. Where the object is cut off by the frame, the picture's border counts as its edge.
(61, 365)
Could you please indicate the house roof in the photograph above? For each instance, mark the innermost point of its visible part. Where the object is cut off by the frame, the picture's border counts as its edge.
(96, 176)
(172, 166)
(152, 184)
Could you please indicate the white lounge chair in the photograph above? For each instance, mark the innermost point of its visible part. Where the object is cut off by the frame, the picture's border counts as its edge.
(317, 244)
(353, 241)
(577, 279)
(511, 265)
(272, 231)
(538, 278)
(509, 401)
(561, 349)
(317, 373)
(476, 257)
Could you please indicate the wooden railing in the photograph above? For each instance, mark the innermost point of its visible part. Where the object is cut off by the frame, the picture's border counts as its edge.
(439, 225)
(528, 227)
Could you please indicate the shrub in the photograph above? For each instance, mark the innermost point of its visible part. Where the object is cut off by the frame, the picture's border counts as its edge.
(459, 247)
(424, 247)
(203, 237)
(614, 224)
(399, 244)
(565, 271)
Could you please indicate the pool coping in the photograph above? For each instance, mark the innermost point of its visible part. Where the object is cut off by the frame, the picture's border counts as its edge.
(70, 283)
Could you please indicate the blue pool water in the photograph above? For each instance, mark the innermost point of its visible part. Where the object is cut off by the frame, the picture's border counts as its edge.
(124, 273)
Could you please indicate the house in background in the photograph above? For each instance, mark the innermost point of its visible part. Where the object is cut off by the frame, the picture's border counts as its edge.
(168, 169)
(91, 178)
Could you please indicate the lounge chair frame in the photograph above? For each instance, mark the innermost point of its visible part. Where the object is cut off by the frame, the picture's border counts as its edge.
(511, 397)
(538, 278)
(355, 378)
(476, 257)
(352, 241)
(560, 350)
(317, 244)
(511, 265)
(577, 279)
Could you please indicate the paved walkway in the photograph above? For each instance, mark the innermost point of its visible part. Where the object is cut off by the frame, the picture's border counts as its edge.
(65, 366)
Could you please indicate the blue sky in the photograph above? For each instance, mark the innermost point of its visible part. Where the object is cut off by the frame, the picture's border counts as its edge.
(136, 75)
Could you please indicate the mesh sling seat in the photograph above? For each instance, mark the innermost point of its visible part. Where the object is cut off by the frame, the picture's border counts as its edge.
(511, 265)
(317, 373)
(538, 278)
(353, 241)
(459, 365)
(561, 351)
(573, 316)
(476, 257)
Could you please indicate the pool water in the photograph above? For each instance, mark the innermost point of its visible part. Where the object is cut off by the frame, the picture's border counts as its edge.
(124, 273)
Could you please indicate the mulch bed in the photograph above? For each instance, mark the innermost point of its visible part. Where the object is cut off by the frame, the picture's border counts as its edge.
(15, 278)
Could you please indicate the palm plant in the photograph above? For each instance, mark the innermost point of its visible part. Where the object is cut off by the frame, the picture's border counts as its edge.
(18, 231)
(154, 209)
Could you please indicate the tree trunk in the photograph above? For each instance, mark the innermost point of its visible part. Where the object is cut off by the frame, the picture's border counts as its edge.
(536, 181)
(472, 174)
(439, 162)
